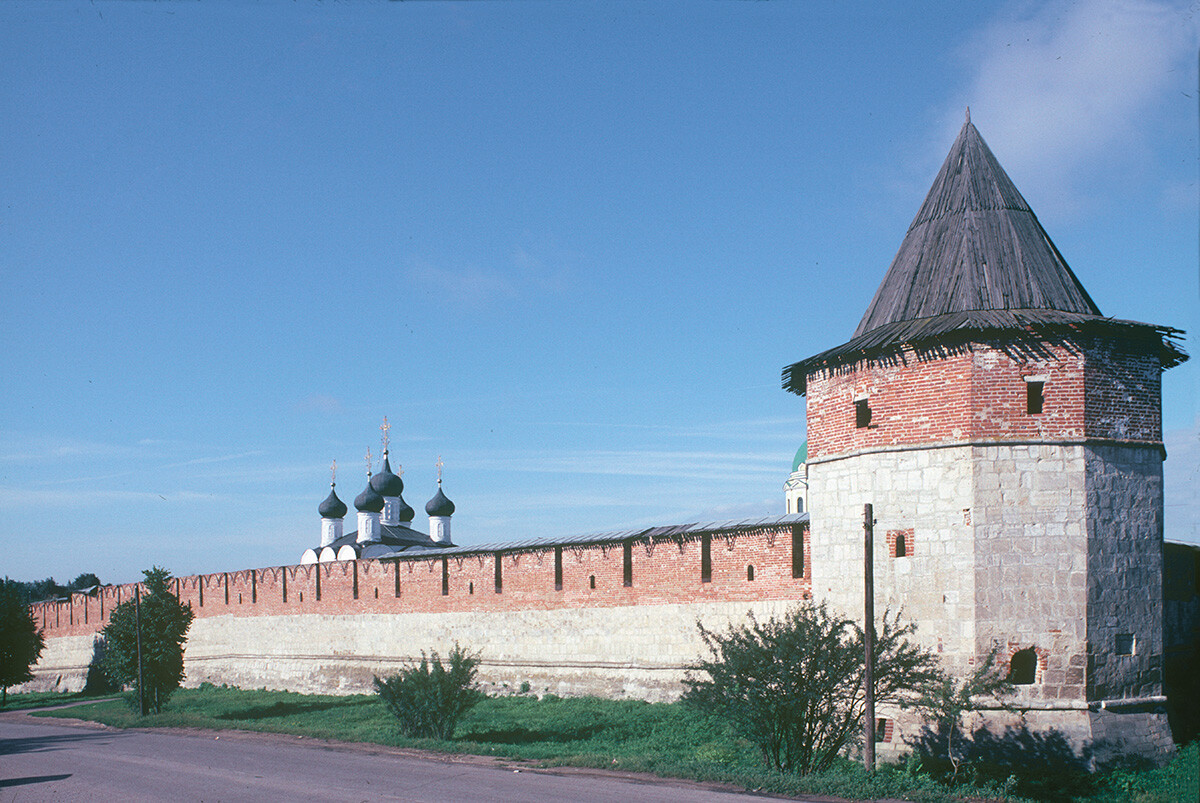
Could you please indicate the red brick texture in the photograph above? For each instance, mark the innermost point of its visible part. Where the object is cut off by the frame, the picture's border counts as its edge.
(1094, 389)
(665, 571)
(893, 537)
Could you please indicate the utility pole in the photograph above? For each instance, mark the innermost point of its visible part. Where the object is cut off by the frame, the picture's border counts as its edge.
(869, 636)
(137, 615)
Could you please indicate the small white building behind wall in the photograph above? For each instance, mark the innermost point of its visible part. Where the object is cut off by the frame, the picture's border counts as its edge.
(795, 490)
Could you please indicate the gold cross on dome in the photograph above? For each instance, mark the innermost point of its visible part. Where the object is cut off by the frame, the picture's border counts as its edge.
(439, 468)
(333, 473)
(368, 457)
(386, 426)
(399, 470)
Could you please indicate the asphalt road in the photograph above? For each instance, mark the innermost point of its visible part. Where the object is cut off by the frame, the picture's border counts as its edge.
(67, 761)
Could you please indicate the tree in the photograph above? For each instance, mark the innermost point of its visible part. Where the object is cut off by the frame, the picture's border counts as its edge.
(85, 580)
(21, 642)
(946, 701)
(794, 686)
(430, 699)
(165, 623)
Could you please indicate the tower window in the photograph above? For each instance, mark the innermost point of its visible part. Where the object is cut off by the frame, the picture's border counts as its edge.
(1022, 670)
(901, 546)
(862, 413)
(1124, 644)
(1034, 396)
(883, 730)
(750, 573)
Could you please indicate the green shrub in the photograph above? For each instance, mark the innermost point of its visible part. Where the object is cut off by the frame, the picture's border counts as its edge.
(794, 687)
(428, 698)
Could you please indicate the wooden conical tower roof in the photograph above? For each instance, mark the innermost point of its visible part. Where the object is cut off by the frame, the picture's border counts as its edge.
(975, 259)
(974, 245)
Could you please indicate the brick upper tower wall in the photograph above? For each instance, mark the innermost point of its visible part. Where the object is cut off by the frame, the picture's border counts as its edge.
(1097, 390)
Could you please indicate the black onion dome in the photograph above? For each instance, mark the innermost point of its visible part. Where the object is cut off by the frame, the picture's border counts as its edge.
(385, 483)
(439, 505)
(405, 513)
(332, 507)
(368, 501)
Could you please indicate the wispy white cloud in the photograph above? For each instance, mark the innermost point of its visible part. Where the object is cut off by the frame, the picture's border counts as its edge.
(644, 463)
(534, 266)
(320, 403)
(218, 459)
(470, 285)
(32, 499)
(18, 448)
(1062, 86)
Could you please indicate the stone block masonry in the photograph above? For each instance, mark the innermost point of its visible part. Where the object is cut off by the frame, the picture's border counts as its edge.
(1025, 479)
(558, 617)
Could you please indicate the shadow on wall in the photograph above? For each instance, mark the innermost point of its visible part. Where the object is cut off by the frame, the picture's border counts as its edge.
(98, 681)
(1037, 764)
(1181, 683)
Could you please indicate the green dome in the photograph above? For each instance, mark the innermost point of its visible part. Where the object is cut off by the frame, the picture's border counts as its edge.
(801, 456)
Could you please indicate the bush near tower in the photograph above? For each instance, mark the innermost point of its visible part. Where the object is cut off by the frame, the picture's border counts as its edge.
(164, 626)
(794, 686)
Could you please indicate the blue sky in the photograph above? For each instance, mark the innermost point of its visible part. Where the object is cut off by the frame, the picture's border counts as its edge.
(566, 246)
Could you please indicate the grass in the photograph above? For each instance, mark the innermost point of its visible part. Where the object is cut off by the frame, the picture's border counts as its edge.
(41, 699)
(671, 740)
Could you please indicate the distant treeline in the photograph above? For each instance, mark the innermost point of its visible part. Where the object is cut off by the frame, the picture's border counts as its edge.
(40, 590)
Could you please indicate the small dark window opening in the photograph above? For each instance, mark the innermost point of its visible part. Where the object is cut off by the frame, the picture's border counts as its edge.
(376, 592)
(302, 596)
(1034, 396)
(471, 587)
(750, 572)
(1124, 645)
(592, 581)
(797, 551)
(881, 730)
(445, 577)
(901, 546)
(628, 564)
(1022, 670)
(706, 558)
(862, 413)
(499, 576)
(558, 568)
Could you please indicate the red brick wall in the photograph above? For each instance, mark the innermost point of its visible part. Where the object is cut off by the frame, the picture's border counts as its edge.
(1092, 390)
(664, 571)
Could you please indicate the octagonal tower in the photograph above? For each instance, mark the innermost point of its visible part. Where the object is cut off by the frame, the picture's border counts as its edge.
(1009, 437)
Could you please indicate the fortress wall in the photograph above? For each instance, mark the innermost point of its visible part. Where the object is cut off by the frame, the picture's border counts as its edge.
(328, 627)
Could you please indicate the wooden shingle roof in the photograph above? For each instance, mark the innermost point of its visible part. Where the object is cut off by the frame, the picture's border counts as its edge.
(974, 245)
(975, 259)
